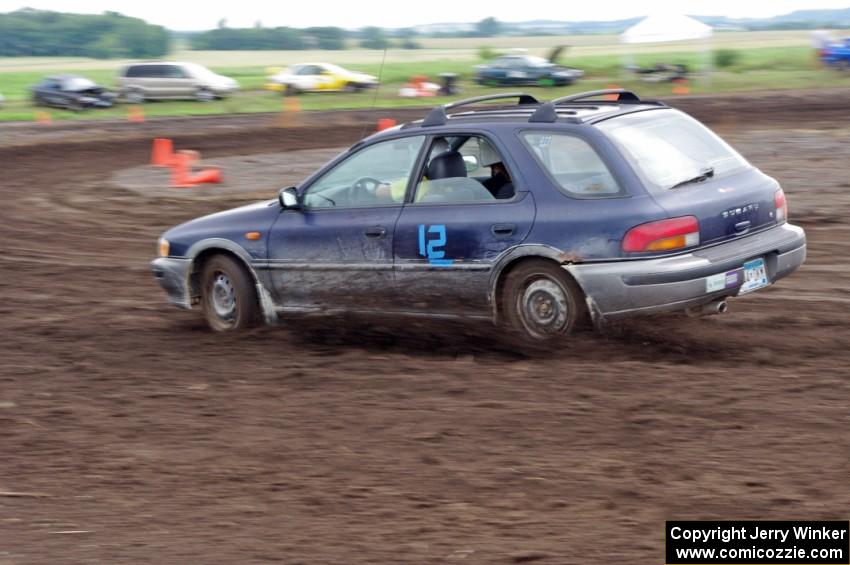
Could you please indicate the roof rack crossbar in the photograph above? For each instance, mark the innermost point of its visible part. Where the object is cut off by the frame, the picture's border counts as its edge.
(623, 96)
(548, 112)
(438, 117)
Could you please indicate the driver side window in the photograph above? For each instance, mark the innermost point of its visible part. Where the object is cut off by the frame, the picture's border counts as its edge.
(374, 176)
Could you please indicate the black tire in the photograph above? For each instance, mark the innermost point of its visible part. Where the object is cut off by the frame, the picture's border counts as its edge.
(204, 95)
(540, 302)
(351, 87)
(291, 90)
(228, 296)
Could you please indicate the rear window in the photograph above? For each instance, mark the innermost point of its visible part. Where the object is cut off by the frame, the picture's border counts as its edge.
(573, 164)
(667, 147)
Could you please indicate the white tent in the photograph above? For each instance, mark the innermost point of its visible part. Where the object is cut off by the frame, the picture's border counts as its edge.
(661, 28)
(665, 28)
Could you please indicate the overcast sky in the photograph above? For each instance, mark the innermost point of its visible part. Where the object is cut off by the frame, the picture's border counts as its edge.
(195, 15)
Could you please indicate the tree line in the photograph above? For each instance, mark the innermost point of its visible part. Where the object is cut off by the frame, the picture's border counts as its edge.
(287, 38)
(29, 32)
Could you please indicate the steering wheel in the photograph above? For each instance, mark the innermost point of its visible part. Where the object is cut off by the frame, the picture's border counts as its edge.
(361, 191)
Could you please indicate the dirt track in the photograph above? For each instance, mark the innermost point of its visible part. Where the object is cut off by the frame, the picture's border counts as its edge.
(134, 435)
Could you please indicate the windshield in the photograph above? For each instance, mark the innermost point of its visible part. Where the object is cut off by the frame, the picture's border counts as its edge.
(667, 148)
(78, 83)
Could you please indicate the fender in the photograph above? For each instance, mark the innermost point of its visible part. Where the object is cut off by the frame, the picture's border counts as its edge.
(514, 253)
(265, 298)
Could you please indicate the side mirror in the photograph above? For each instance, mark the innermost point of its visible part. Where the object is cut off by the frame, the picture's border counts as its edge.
(288, 198)
(471, 163)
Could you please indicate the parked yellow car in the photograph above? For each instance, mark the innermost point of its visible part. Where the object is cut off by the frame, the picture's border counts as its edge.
(318, 77)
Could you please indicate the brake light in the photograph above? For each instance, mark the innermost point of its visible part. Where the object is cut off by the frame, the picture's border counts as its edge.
(781, 206)
(663, 235)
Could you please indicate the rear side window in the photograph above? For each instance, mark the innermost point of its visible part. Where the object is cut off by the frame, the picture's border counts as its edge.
(573, 164)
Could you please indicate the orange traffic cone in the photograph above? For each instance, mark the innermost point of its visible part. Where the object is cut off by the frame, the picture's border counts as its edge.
(386, 123)
(162, 152)
(680, 86)
(135, 114)
(43, 117)
(181, 166)
(210, 174)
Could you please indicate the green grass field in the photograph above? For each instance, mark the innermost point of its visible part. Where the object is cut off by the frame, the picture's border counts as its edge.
(766, 60)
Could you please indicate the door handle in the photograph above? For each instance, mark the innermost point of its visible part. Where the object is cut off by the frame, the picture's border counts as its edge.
(503, 230)
(376, 232)
(742, 226)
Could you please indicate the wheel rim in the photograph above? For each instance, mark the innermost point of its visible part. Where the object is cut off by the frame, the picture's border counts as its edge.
(543, 308)
(205, 95)
(223, 297)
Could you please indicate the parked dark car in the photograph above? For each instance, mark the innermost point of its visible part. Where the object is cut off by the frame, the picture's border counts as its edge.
(527, 70)
(71, 92)
(536, 215)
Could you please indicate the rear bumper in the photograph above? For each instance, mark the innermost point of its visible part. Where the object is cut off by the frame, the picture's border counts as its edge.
(172, 274)
(632, 288)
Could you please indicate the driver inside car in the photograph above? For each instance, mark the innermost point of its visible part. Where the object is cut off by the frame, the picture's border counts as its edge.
(499, 184)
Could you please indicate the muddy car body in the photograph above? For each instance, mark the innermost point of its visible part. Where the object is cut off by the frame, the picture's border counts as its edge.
(71, 92)
(539, 215)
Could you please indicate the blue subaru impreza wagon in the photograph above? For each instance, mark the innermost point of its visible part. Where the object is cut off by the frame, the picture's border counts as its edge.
(538, 215)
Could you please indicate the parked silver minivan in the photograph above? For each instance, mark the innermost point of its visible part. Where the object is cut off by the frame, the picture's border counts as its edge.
(175, 81)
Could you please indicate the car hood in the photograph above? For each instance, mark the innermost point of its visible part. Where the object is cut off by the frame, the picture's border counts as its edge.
(230, 225)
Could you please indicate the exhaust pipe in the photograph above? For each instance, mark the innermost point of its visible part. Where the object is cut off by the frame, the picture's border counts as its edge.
(710, 309)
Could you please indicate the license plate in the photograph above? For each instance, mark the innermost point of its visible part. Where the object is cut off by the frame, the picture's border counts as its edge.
(755, 276)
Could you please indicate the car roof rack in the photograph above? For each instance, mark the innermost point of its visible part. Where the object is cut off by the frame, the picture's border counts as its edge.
(548, 112)
(623, 96)
(438, 116)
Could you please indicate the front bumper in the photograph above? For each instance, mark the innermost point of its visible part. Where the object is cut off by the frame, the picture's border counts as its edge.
(172, 274)
(648, 286)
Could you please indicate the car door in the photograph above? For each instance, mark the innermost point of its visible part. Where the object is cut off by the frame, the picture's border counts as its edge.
(325, 78)
(453, 230)
(336, 251)
(177, 82)
(308, 78)
(51, 93)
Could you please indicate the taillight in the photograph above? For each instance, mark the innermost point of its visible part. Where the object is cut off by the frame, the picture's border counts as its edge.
(663, 235)
(781, 206)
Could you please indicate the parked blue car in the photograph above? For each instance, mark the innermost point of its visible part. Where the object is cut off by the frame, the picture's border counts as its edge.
(837, 54)
(535, 215)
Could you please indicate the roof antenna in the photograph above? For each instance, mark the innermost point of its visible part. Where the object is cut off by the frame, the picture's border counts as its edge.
(375, 96)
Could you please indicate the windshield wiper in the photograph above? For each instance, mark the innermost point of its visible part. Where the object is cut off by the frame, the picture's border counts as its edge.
(704, 174)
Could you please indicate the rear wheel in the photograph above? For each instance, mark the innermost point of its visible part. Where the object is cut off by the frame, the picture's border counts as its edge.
(228, 296)
(541, 302)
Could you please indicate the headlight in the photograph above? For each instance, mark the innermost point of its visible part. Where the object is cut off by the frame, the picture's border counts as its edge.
(164, 247)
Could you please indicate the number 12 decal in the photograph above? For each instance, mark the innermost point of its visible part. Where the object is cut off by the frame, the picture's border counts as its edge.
(434, 249)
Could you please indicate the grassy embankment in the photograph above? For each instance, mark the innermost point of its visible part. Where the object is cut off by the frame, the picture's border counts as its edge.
(765, 60)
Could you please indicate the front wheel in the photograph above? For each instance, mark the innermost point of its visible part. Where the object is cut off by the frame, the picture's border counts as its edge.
(228, 296)
(541, 302)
